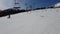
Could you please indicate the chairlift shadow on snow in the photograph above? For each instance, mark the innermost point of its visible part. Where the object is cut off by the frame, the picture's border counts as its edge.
(42, 16)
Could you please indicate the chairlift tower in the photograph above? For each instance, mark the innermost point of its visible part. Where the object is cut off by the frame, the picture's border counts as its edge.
(15, 7)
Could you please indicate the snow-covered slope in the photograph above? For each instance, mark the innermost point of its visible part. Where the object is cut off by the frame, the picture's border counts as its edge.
(57, 5)
(45, 21)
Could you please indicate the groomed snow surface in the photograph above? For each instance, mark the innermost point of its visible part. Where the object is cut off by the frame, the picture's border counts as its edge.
(45, 21)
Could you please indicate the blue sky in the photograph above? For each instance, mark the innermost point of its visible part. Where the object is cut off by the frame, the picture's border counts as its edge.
(42, 3)
(4, 4)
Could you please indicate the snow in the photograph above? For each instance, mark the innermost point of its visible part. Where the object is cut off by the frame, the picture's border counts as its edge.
(57, 5)
(45, 21)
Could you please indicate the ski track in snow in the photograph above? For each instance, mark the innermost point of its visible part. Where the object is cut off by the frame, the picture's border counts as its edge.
(45, 21)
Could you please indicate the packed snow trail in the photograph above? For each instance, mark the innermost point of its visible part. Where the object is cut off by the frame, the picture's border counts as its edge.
(45, 21)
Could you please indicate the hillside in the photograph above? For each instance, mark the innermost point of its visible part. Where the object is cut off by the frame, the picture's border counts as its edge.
(45, 21)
